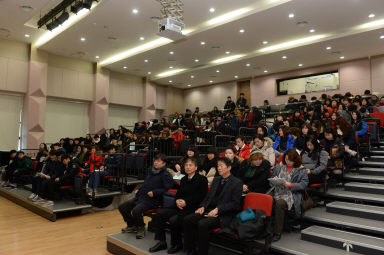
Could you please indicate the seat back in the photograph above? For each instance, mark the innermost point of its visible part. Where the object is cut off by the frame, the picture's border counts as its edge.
(373, 132)
(258, 201)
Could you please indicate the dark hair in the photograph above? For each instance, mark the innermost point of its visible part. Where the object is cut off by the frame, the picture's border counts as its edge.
(225, 160)
(192, 160)
(292, 156)
(12, 151)
(228, 97)
(242, 138)
(358, 119)
(285, 130)
(329, 130)
(195, 150)
(212, 150)
(21, 152)
(314, 155)
(53, 153)
(65, 157)
(344, 126)
(161, 157)
(230, 148)
(241, 93)
(260, 137)
(367, 92)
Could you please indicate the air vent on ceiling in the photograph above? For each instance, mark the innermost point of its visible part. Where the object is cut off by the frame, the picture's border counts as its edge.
(335, 53)
(112, 38)
(78, 54)
(171, 60)
(215, 47)
(4, 32)
(302, 23)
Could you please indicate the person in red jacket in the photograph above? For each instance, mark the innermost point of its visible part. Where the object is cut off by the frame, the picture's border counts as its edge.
(94, 161)
(243, 150)
(247, 117)
(177, 135)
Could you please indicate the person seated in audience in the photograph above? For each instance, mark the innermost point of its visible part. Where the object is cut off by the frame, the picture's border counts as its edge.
(42, 153)
(233, 122)
(315, 160)
(243, 150)
(95, 160)
(279, 121)
(230, 154)
(300, 141)
(284, 141)
(155, 126)
(40, 181)
(24, 167)
(346, 131)
(254, 172)
(218, 209)
(187, 201)
(149, 196)
(192, 152)
(246, 118)
(334, 146)
(262, 130)
(229, 105)
(264, 145)
(65, 178)
(112, 133)
(327, 112)
(96, 139)
(310, 112)
(334, 106)
(77, 152)
(366, 107)
(209, 167)
(7, 171)
(111, 165)
(359, 125)
(292, 100)
(59, 148)
(288, 194)
(327, 103)
(317, 129)
(381, 102)
(241, 101)
(374, 100)
(303, 98)
(83, 157)
(220, 124)
(296, 120)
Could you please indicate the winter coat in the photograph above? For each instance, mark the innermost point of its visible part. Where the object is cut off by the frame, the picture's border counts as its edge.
(299, 182)
(316, 166)
(244, 152)
(209, 169)
(289, 145)
(258, 181)
(267, 151)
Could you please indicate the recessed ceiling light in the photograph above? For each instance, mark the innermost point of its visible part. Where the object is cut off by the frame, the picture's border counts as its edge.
(27, 35)
(146, 60)
(202, 43)
(149, 73)
(248, 65)
(192, 76)
(210, 81)
(82, 39)
(291, 15)
(382, 37)
(196, 60)
(312, 30)
(241, 30)
(265, 71)
(170, 81)
(211, 9)
(284, 57)
(97, 57)
(372, 15)
(227, 52)
(189, 85)
(141, 38)
(265, 42)
(300, 65)
(217, 71)
(236, 76)
(171, 52)
(135, 11)
(170, 67)
(342, 57)
(125, 67)
(329, 48)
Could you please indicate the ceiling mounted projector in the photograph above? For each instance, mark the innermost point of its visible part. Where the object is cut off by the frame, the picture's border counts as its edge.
(171, 29)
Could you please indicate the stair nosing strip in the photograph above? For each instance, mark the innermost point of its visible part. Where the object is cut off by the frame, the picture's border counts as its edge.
(356, 209)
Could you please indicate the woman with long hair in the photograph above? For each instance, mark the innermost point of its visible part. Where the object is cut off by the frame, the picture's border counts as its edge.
(346, 131)
(315, 160)
(306, 130)
(230, 154)
(284, 141)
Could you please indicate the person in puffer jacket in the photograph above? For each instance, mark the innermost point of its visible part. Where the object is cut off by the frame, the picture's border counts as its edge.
(265, 146)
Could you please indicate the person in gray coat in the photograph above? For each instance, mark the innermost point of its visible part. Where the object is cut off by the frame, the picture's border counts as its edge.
(288, 192)
(315, 160)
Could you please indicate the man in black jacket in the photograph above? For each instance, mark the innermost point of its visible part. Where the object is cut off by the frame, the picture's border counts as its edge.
(193, 188)
(149, 196)
(66, 178)
(217, 210)
(7, 171)
(229, 105)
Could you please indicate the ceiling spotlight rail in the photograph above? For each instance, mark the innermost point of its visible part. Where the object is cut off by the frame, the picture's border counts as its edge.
(59, 14)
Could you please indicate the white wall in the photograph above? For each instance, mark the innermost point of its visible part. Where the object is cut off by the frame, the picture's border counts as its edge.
(208, 97)
(125, 89)
(122, 115)
(10, 107)
(65, 119)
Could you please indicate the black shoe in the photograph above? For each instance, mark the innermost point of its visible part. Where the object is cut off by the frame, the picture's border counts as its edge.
(132, 229)
(276, 237)
(140, 233)
(158, 247)
(175, 249)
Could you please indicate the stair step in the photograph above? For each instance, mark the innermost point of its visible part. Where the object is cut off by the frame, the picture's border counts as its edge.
(364, 178)
(338, 239)
(340, 193)
(376, 158)
(321, 216)
(370, 188)
(371, 171)
(357, 210)
(371, 163)
(379, 151)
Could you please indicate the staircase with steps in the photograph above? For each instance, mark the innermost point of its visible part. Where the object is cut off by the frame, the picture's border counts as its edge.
(353, 218)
